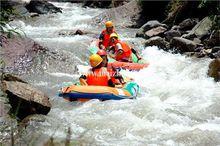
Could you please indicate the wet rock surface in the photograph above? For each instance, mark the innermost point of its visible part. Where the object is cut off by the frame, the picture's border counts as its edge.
(157, 41)
(183, 45)
(25, 99)
(18, 53)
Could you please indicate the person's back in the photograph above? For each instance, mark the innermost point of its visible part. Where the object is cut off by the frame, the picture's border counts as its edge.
(98, 75)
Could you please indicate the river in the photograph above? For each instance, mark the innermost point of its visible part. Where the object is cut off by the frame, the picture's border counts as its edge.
(178, 104)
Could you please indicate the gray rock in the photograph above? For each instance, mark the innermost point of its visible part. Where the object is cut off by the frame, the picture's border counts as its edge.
(214, 39)
(25, 99)
(21, 10)
(215, 52)
(172, 33)
(157, 41)
(149, 25)
(214, 69)
(187, 24)
(42, 7)
(18, 53)
(201, 29)
(215, 49)
(188, 36)
(79, 32)
(175, 27)
(197, 41)
(124, 15)
(183, 45)
(155, 31)
(200, 54)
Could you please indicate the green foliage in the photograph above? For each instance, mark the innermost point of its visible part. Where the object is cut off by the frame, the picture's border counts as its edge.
(202, 3)
(174, 6)
(212, 6)
(6, 13)
(4, 19)
(10, 32)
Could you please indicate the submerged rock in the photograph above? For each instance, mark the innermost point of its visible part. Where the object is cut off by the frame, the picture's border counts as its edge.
(214, 69)
(25, 99)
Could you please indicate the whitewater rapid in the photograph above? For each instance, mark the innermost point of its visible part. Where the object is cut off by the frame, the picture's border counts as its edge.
(178, 104)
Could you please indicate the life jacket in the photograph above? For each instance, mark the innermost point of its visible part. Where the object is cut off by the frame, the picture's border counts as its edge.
(106, 37)
(126, 55)
(98, 77)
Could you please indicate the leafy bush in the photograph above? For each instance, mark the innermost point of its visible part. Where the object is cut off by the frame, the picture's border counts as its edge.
(4, 27)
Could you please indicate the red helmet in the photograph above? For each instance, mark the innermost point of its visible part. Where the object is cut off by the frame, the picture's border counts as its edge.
(102, 53)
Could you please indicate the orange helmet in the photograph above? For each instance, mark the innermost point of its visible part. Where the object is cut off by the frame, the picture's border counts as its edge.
(102, 53)
(95, 60)
(108, 24)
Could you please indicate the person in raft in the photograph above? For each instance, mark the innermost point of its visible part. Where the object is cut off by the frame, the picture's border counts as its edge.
(122, 51)
(98, 75)
(114, 72)
(104, 38)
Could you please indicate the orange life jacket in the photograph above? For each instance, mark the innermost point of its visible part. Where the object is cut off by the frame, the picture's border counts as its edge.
(98, 77)
(126, 55)
(106, 37)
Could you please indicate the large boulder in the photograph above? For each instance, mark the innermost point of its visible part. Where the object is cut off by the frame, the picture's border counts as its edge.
(157, 41)
(187, 24)
(18, 53)
(25, 99)
(158, 31)
(42, 7)
(214, 69)
(172, 33)
(125, 15)
(183, 45)
(203, 28)
(214, 39)
(147, 26)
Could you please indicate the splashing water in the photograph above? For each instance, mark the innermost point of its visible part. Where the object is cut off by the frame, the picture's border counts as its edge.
(178, 103)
